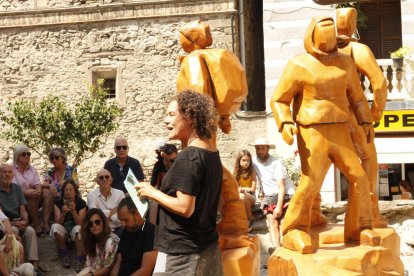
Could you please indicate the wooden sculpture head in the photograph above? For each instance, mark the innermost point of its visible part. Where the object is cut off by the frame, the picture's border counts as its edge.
(320, 38)
(346, 22)
(195, 35)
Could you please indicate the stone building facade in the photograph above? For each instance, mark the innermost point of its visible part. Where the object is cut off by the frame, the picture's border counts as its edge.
(59, 46)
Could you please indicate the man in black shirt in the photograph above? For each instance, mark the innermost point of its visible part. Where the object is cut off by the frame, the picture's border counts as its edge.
(136, 254)
(120, 165)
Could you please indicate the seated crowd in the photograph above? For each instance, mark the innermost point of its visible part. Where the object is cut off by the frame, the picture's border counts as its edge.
(109, 235)
(102, 229)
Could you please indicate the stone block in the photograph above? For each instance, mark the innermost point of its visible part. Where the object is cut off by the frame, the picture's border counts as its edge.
(242, 261)
(333, 257)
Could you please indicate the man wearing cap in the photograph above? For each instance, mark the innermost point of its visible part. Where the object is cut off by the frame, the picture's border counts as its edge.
(276, 187)
(120, 165)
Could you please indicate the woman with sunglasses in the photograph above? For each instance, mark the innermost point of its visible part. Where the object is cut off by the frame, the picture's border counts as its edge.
(25, 175)
(100, 244)
(60, 172)
(69, 210)
(54, 179)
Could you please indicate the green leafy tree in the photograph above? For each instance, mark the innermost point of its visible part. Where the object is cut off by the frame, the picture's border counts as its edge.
(79, 128)
(292, 166)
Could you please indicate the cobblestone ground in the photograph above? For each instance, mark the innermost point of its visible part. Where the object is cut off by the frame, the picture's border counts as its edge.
(49, 258)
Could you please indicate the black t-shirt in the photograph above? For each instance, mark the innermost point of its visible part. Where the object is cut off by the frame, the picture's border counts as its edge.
(197, 172)
(80, 204)
(119, 175)
(132, 247)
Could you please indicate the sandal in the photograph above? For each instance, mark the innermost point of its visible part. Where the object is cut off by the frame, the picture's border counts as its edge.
(66, 261)
(78, 265)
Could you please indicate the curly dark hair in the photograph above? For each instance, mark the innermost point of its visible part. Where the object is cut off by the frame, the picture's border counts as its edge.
(199, 110)
(90, 241)
(69, 181)
(238, 170)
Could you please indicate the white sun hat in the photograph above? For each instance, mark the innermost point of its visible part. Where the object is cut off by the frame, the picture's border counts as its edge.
(262, 141)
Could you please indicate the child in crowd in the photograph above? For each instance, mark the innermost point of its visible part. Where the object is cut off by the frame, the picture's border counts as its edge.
(245, 175)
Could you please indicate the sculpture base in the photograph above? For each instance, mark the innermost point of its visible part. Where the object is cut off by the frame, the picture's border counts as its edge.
(333, 257)
(243, 261)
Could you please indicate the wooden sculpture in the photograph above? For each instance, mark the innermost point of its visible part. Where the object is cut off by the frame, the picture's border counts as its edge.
(324, 86)
(346, 20)
(218, 73)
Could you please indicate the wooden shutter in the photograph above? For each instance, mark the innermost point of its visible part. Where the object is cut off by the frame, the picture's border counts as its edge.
(383, 32)
(391, 26)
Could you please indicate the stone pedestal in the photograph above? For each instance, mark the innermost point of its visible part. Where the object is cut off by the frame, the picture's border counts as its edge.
(333, 257)
(242, 261)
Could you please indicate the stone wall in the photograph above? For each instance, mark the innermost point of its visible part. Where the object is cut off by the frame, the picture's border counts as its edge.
(56, 54)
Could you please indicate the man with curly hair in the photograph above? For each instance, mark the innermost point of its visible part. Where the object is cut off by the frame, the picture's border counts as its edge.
(190, 191)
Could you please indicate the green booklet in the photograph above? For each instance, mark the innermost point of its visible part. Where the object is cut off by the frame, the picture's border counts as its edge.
(141, 203)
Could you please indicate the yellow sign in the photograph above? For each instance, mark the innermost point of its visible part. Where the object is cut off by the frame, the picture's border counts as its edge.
(396, 121)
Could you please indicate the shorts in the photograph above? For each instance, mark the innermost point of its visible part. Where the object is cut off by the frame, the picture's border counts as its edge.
(206, 262)
(269, 203)
(60, 229)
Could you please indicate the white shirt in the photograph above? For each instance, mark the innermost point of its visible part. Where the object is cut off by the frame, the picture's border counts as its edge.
(96, 200)
(269, 173)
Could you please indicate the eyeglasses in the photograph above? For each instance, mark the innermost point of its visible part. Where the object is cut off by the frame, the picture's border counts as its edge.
(102, 177)
(96, 222)
(24, 154)
(121, 147)
(54, 158)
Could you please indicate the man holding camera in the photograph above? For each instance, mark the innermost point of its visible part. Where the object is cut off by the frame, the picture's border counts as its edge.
(166, 155)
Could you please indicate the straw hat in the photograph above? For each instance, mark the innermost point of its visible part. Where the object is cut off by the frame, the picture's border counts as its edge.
(262, 141)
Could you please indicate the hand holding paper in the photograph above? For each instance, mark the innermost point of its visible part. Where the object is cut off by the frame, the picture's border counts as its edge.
(140, 203)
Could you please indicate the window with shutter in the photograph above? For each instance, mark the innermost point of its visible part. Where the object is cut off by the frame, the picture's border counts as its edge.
(383, 32)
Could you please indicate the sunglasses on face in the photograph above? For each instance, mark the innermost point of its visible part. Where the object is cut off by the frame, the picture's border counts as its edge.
(102, 177)
(24, 154)
(121, 147)
(96, 222)
(54, 158)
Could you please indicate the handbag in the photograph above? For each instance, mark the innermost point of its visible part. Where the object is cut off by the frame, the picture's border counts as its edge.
(11, 258)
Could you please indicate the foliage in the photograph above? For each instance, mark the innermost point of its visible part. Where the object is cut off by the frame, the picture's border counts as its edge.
(401, 52)
(292, 165)
(79, 128)
(361, 17)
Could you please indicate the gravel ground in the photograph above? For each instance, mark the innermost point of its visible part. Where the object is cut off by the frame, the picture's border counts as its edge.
(49, 257)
